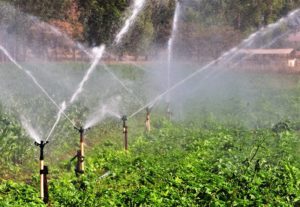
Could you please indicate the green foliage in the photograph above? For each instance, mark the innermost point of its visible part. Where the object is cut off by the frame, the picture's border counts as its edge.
(101, 19)
(222, 24)
(139, 40)
(18, 195)
(179, 165)
(243, 15)
(45, 9)
(15, 146)
(208, 161)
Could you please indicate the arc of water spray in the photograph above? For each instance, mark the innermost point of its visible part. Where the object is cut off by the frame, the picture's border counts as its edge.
(230, 54)
(98, 55)
(137, 66)
(141, 68)
(138, 4)
(28, 73)
(171, 43)
(63, 108)
(137, 7)
(173, 87)
(122, 84)
(45, 26)
(247, 42)
(235, 52)
(29, 129)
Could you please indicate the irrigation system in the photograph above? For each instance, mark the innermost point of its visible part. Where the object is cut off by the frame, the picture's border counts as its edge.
(148, 121)
(43, 173)
(98, 54)
(125, 132)
(80, 153)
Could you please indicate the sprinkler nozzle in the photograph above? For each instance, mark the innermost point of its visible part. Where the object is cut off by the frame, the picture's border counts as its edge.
(41, 145)
(124, 118)
(82, 130)
(80, 153)
(79, 129)
(148, 110)
(125, 131)
(148, 124)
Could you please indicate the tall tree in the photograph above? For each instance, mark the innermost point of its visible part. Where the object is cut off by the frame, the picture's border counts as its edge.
(101, 19)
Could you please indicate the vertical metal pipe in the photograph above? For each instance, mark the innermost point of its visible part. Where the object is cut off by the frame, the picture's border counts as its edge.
(126, 138)
(80, 153)
(42, 168)
(42, 179)
(125, 132)
(169, 112)
(148, 122)
(46, 192)
(81, 164)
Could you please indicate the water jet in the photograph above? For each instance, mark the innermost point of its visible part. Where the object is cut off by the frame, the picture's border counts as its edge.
(170, 53)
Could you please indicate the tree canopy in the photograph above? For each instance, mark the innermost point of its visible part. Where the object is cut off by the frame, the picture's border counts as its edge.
(101, 19)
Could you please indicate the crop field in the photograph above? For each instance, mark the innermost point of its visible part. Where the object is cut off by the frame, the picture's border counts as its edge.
(243, 150)
(149, 103)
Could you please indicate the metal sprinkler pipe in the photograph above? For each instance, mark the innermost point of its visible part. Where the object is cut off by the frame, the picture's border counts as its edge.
(148, 122)
(43, 173)
(80, 154)
(46, 191)
(125, 132)
(169, 112)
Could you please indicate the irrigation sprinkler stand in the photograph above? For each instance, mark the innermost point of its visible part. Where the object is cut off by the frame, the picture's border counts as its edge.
(125, 132)
(46, 192)
(148, 122)
(43, 173)
(169, 112)
(80, 153)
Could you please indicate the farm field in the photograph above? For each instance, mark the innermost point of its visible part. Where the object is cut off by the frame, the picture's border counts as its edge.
(241, 152)
(149, 103)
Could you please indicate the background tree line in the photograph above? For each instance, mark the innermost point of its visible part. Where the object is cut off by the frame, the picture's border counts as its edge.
(215, 25)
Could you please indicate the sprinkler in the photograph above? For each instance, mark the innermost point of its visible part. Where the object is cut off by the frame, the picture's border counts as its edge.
(147, 122)
(46, 192)
(169, 112)
(43, 173)
(125, 132)
(80, 153)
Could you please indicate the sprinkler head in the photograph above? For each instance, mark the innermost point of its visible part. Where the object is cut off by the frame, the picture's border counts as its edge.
(125, 132)
(42, 144)
(82, 130)
(124, 118)
(148, 109)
